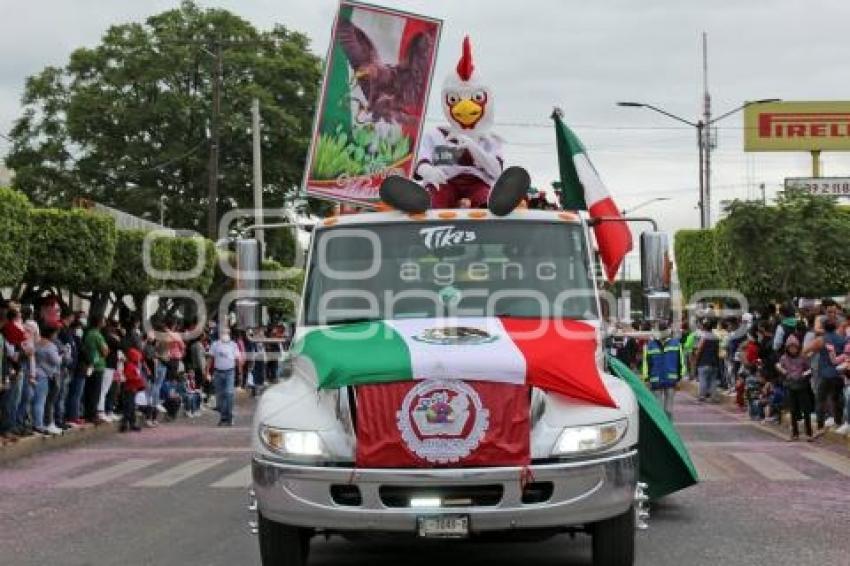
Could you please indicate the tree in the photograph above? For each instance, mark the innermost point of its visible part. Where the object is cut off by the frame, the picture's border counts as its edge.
(69, 249)
(696, 260)
(126, 121)
(770, 253)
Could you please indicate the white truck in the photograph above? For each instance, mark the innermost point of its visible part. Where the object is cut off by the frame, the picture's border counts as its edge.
(388, 266)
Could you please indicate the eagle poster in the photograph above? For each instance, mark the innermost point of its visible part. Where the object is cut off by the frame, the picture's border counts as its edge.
(372, 108)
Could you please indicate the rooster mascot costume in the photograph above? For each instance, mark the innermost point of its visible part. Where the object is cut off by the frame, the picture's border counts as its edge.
(461, 162)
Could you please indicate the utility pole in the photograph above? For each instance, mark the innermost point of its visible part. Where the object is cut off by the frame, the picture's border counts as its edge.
(701, 149)
(707, 129)
(258, 173)
(212, 193)
(763, 194)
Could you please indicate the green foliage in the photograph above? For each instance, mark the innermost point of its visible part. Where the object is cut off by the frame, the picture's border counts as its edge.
(290, 280)
(369, 148)
(73, 249)
(184, 256)
(696, 261)
(770, 253)
(129, 276)
(14, 236)
(125, 121)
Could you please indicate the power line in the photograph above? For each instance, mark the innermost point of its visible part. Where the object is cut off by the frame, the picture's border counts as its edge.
(617, 128)
(167, 162)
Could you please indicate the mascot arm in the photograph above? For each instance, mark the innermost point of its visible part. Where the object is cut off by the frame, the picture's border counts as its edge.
(430, 174)
(486, 159)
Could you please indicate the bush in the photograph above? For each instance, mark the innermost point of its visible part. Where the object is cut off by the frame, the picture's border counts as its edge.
(184, 254)
(292, 281)
(129, 276)
(72, 249)
(696, 261)
(14, 236)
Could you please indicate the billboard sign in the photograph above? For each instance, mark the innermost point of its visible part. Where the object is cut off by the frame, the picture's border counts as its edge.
(797, 126)
(823, 186)
(372, 107)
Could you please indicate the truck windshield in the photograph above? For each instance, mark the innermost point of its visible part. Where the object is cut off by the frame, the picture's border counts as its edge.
(449, 269)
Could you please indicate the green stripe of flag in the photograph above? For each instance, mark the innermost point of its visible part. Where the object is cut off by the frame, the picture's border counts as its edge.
(572, 191)
(355, 354)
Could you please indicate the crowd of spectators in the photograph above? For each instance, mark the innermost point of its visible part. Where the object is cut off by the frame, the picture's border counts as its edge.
(788, 360)
(63, 369)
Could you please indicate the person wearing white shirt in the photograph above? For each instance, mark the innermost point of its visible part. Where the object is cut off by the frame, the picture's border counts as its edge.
(225, 354)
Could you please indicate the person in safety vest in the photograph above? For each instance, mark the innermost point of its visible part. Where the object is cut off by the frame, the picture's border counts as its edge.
(663, 366)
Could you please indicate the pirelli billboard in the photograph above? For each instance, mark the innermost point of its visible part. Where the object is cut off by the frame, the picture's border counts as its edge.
(797, 126)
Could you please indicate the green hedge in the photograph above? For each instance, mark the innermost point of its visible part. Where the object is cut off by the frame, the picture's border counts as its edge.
(14, 236)
(184, 254)
(696, 261)
(770, 253)
(293, 282)
(129, 276)
(72, 249)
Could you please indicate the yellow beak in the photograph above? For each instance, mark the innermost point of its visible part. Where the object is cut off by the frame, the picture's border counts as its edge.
(466, 112)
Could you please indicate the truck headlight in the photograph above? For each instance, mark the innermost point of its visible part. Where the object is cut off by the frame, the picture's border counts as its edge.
(293, 443)
(593, 438)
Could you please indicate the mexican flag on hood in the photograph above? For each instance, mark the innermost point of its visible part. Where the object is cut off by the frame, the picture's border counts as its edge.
(554, 355)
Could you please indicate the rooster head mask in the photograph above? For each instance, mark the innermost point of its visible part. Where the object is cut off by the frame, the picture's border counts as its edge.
(467, 102)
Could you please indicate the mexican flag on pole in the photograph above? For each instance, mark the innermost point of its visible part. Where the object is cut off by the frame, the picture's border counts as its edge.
(553, 355)
(582, 189)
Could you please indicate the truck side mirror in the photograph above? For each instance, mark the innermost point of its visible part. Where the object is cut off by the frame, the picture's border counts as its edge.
(655, 275)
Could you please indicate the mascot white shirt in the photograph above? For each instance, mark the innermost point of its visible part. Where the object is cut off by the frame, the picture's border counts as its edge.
(462, 159)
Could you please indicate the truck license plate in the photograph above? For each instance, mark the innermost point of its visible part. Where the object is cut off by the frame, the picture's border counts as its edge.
(444, 526)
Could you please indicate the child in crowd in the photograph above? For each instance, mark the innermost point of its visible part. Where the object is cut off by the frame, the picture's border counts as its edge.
(191, 394)
(795, 369)
(133, 383)
(754, 383)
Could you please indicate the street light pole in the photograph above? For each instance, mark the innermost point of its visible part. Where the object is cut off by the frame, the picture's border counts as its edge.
(703, 145)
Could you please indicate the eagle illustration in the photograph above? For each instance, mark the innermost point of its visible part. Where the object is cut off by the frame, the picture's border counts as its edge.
(393, 92)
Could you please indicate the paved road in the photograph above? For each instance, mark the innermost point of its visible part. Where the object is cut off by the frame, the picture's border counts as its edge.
(177, 496)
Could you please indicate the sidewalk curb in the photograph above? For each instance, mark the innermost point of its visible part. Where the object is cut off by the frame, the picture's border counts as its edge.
(728, 403)
(36, 444)
(32, 445)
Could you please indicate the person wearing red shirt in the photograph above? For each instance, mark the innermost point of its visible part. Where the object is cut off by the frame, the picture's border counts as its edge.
(133, 383)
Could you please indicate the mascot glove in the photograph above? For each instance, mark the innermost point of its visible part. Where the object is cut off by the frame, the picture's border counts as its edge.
(431, 175)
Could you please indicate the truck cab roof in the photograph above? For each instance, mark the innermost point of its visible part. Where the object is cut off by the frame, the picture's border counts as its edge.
(449, 214)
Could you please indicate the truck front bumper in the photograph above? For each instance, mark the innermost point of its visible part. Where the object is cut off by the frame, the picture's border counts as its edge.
(579, 492)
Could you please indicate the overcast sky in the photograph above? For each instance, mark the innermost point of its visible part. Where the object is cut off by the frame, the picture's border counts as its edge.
(581, 56)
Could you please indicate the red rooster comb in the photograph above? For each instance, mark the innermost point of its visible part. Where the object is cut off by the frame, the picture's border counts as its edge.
(465, 65)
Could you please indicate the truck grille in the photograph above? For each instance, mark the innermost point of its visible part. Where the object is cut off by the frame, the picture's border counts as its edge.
(396, 496)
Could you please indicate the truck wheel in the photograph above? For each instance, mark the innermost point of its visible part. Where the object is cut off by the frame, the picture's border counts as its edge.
(283, 545)
(614, 540)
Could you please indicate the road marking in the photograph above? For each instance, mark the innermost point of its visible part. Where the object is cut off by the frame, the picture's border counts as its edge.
(832, 461)
(708, 470)
(104, 475)
(179, 473)
(770, 467)
(240, 478)
(117, 451)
